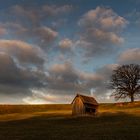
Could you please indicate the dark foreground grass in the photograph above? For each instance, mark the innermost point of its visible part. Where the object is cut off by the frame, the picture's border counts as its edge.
(111, 127)
(105, 126)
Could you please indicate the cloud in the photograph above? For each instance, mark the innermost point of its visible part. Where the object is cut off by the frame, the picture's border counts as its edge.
(134, 17)
(130, 56)
(7, 64)
(3, 31)
(13, 28)
(52, 85)
(45, 34)
(103, 18)
(24, 70)
(100, 31)
(21, 67)
(39, 25)
(66, 45)
(67, 78)
(46, 97)
(14, 79)
(42, 35)
(54, 10)
(22, 51)
(36, 14)
(100, 88)
(28, 13)
(62, 77)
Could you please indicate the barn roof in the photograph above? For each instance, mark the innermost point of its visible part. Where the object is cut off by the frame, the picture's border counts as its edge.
(87, 99)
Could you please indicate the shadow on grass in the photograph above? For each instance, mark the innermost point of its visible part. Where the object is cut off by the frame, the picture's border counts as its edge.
(118, 126)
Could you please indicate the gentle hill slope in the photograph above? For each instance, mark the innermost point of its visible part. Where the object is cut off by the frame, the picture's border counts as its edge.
(103, 107)
(54, 122)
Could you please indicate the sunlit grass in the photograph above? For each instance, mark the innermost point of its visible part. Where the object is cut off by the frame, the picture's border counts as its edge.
(130, 108)
(55, 122)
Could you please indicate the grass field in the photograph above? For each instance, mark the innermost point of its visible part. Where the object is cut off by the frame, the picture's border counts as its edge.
(54, 122)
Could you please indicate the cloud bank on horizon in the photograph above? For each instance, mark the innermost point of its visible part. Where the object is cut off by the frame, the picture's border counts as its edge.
(51, 50)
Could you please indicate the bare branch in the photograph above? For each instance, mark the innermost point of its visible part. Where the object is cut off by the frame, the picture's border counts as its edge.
(125, 80)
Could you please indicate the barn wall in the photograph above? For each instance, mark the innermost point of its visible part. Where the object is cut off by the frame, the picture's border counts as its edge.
(78, 107)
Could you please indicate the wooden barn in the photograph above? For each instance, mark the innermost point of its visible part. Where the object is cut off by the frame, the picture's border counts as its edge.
(84, 105)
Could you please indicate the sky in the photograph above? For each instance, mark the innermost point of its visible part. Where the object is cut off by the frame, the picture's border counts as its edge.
(50, 50)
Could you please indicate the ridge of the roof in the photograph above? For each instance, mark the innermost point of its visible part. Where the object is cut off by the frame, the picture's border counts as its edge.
(87, 99)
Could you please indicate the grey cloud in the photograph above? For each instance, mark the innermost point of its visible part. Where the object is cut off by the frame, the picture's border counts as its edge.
(36, 14)
(65, 80)
(45, 34)
(66, 77)
(8, 69)
(22, 51)
(130, 56)
(36, 26)
(21, 67)
(11, 74)
(59, 79)
(101, 89)
(53, 10)
(100, 31)
(42, 35)
(62, 77)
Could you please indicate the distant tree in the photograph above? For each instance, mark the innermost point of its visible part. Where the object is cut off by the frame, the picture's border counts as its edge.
(125, 81)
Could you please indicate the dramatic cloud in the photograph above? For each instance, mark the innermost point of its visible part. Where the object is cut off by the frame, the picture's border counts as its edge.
(23, 52)
(66, 77)
(21, 67)
(63, 80)
(62, 77)
(16, 80)
(7, 64)
(43, 47)
(11, 74)
(100, 31)
(100, 90)
(130, 56)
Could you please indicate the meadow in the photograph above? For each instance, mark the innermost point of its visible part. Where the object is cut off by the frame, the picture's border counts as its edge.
(55, 122)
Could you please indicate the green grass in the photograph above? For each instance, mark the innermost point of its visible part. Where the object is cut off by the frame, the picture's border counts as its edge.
(54, 122)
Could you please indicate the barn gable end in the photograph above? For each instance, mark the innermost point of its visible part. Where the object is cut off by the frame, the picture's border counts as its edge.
(84, 105)
(78, 106)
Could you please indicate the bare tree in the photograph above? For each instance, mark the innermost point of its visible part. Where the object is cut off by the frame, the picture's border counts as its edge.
(125, 81)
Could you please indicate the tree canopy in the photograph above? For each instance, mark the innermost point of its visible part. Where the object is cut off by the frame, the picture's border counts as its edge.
(125, 81)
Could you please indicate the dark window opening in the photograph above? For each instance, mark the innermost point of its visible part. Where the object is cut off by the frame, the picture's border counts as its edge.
(90, 110)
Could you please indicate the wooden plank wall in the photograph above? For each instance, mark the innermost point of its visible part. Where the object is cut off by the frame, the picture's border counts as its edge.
(78, 107)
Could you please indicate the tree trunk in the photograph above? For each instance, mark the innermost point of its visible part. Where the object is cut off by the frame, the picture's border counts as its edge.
(132, 98)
